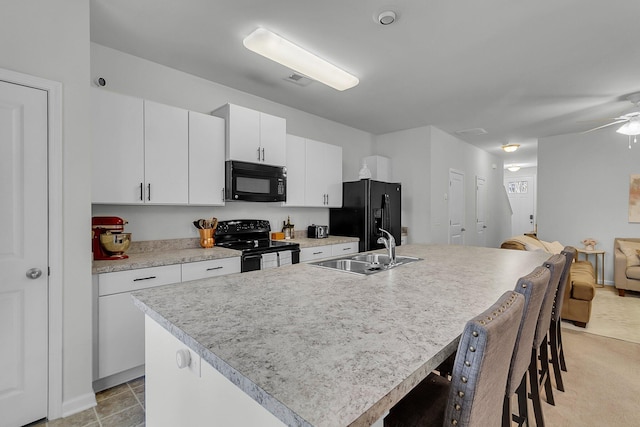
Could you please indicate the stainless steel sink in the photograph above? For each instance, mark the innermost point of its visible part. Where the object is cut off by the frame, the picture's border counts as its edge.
(364, 263)
(375, 258)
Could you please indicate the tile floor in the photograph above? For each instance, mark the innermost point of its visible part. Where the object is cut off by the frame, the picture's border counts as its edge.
(120, 406)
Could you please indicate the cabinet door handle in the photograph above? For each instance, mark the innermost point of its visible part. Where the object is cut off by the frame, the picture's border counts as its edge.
(263, 154)
(318, 253)
(145, 278)
(141, 192)
(258, 153)
(214, 268)
(327, 199)
(149, 192)
(346, 249)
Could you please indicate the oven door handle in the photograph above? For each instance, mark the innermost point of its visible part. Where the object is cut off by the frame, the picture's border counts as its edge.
(258, 256)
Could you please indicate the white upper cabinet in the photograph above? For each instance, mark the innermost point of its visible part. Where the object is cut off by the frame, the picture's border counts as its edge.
(273, 139)
(314, 173)
(253, 136)
(333, 175)
(323, 175)
(296, 164)
(166, 149)
(118, 148)
(206, 159)
(146, 152)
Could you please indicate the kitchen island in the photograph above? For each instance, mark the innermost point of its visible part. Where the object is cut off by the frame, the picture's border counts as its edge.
(316, 347)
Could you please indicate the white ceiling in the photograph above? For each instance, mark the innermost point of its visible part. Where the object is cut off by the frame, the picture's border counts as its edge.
(520, 70)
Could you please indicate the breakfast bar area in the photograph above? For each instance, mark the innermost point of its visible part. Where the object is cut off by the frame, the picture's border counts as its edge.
(312, 346)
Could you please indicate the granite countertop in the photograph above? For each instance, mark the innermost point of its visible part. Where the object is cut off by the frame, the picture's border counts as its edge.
(318, 347)
(156, 253)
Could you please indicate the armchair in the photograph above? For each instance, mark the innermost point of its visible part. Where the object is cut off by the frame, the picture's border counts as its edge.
(626, 266)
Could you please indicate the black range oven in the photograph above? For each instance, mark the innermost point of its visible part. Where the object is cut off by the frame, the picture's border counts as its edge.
(251, 236)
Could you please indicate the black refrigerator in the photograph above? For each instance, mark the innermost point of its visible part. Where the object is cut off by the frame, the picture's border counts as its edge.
(367, 206)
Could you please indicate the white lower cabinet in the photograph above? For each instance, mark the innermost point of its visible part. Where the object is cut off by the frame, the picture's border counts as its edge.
(315, 253)
(119, 324)
(195, 394)
(344, 249)
(325, 251)
(120, 332)
(211, 268)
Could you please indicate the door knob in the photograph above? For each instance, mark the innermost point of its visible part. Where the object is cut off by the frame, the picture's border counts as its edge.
(183, 358)
(34, 273)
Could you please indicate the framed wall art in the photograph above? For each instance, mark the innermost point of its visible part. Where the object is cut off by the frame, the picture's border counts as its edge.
(634, 198)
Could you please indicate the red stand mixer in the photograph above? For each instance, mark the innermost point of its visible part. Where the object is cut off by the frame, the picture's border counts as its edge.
(109, 242)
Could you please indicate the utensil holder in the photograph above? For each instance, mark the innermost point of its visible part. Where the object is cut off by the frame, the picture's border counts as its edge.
(206, 237)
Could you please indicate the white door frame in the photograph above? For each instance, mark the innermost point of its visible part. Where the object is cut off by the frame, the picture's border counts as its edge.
(54, 129)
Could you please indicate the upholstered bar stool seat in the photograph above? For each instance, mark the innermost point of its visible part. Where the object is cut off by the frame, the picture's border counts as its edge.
(473, 397)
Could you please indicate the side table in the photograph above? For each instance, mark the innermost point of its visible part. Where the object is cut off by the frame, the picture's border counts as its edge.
(599, 264)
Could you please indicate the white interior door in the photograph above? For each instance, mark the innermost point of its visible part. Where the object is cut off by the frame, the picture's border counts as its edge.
(521, 192)
(456, 208)
(481, 200)
(23, 255)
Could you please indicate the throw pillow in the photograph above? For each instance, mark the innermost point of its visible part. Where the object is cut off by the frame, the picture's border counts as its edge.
(629, 249)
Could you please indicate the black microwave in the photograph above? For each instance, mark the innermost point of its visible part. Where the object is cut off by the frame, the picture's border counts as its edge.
(255, 182)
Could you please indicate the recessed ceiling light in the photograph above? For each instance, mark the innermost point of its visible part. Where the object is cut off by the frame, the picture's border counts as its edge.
(510, 148)
(282, 51)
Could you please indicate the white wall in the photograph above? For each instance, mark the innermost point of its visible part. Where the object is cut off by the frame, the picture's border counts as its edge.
(135, 76)
(583, 189)
(51, 40)
(449, 152)
(421, 159)
(409, 153)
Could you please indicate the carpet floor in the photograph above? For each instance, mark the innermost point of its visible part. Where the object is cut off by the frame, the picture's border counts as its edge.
(602, 384)
(613, 316)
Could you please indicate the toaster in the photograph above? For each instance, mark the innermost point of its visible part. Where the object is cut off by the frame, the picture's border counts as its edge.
(317, 231)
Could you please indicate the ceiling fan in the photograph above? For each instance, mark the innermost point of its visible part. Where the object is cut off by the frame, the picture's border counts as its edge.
(630, 118)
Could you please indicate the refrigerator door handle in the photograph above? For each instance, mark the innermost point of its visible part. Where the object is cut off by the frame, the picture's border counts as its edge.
(386, 208)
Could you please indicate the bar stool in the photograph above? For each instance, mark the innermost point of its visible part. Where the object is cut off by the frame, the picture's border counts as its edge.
(555, 329)
(481, 364)
(533, 287)
(539, 352)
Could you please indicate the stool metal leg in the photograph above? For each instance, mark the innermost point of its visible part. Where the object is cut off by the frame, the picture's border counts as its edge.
(557, 353)
(535, 390)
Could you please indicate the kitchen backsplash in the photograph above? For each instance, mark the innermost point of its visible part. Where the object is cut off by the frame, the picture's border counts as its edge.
(176, 222)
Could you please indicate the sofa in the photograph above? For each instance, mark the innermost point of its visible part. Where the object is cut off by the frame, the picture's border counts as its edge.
(581, 284)
(626, 264)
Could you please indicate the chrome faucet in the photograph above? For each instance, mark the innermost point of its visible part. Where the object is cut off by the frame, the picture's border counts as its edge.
(390, 244)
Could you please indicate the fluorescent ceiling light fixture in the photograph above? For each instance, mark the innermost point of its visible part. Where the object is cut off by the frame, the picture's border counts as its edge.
(282, 51)
(510, 148)
(513, 168)
(631, 128)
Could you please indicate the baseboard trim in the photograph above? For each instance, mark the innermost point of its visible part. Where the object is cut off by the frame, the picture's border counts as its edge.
(119, 378)
(78, 404)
